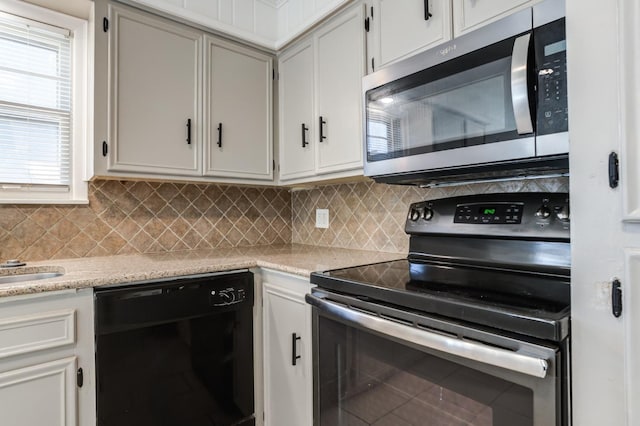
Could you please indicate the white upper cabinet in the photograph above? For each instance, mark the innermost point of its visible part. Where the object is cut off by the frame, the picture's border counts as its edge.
(399, 29)
(154, 101)
(238, 112)
(469, 15)
(340, 68)
(321, 102)
(297, 146)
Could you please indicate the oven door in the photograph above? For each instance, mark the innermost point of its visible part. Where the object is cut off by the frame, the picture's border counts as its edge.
(458, 105)
(396, 368)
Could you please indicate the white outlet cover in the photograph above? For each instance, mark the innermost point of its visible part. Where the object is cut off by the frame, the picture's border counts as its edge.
(322, 218)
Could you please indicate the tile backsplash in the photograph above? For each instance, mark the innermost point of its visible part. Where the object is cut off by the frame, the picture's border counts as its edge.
(145, 217)
(149, 217)
(371, 216)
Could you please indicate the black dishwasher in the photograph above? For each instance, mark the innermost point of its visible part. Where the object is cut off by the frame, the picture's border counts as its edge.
(176, 352)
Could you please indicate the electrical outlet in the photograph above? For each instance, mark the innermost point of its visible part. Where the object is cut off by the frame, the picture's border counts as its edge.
(322, 218)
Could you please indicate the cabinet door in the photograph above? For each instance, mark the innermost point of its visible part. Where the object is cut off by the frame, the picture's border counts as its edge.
(297, 145)
(340, 67)
(155, 91)
(288, 387)
(404, 28)
(42, 394)
(238, 112)
(469, 15)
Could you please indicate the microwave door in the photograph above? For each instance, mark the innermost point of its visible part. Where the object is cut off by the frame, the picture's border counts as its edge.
(463, 112)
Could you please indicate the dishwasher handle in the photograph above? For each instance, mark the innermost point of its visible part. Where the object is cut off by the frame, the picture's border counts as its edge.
(485, 354)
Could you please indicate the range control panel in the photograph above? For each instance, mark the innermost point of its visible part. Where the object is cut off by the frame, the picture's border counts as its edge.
(489, 213)
(513, 215)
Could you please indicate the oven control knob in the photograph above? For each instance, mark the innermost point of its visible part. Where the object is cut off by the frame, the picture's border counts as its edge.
(427, 214)
(563, 214)
(543, 212)
(415, 214)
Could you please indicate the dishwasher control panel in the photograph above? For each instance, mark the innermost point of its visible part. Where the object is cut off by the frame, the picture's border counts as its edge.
(227, 296)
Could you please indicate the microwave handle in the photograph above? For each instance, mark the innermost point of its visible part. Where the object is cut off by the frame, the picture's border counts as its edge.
(467, 349)
(520, 86)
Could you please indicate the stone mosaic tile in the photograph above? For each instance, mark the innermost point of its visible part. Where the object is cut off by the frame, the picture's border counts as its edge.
(125, 217)
(371, 216)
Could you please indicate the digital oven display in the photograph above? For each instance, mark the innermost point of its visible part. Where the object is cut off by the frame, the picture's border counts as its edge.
(486, 214)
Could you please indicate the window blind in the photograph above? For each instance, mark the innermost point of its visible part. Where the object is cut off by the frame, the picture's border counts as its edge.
(35, 103)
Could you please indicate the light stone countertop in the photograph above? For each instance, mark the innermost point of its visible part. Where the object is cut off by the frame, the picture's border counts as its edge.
(86, 272)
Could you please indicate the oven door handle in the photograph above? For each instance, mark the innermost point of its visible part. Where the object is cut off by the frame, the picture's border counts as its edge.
(520, 86)
(485, 354)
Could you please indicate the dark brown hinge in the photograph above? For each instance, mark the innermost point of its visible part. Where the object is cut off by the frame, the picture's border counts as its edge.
(80, 377)
(105, 148)
(105, 24)
(614, 170)
(616, 298)
(366, 24)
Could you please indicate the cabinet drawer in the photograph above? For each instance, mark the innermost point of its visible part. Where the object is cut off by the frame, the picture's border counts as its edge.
(36, 332)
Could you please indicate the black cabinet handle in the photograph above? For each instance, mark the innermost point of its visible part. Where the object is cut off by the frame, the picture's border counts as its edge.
(189, 131)
(294, 355)
(304, 139)
(614, 170)
(616, 298)
(427, 14)
(321, 126)
(220, 135)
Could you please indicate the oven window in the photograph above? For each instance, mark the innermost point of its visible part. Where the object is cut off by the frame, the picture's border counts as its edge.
(369, 380)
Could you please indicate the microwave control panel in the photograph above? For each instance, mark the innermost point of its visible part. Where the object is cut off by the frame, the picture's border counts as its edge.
(551, 58)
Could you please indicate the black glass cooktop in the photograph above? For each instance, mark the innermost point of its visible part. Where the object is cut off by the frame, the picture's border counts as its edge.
(527, 303)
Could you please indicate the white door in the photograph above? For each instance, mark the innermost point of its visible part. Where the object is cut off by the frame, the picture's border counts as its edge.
(38, 395)
(605, 234)
(297, 144)
(155, 95)
(408, 27)
(340, 68)
(238, 109)
(287, 334)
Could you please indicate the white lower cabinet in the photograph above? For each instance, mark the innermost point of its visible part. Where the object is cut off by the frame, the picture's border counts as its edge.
(47, 360)
(288, 374)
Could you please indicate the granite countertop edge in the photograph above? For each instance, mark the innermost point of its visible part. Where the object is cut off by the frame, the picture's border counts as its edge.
(88, 272)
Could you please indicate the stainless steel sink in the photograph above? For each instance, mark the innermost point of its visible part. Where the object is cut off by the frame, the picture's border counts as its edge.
(18, 278)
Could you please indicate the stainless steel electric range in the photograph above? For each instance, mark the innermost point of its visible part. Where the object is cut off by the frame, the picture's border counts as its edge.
(472, 328)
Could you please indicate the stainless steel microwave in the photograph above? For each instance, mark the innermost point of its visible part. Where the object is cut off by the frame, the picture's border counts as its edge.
(491, 103)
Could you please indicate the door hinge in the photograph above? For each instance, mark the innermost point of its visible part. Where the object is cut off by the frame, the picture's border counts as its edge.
(105, 148)
(80, 377)
(616, 298)
(614, 170)
(366, 24)
(373, 64)
(276, 75)
(274, 164)
(105, 24)
(371, 12)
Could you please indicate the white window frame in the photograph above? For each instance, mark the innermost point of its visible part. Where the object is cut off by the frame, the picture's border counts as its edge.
(81, 114)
